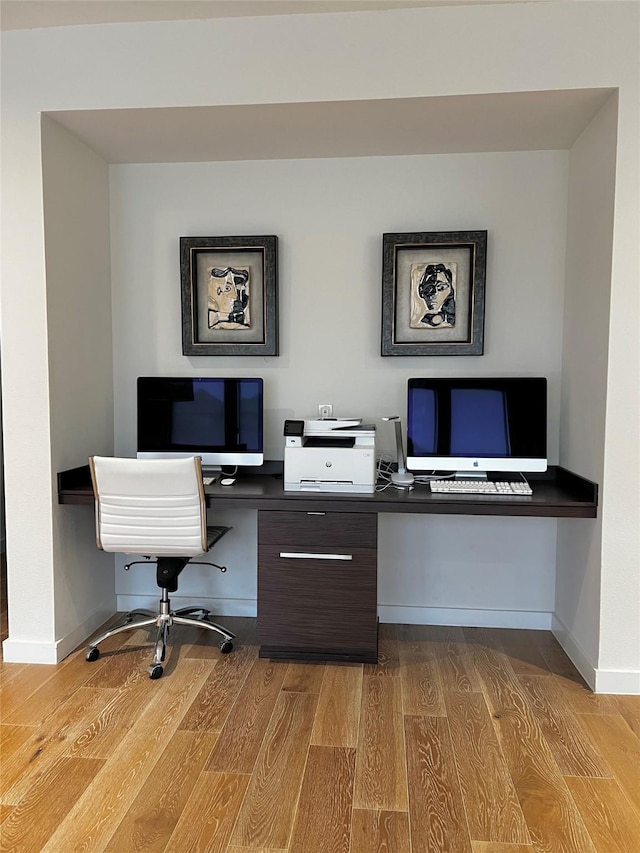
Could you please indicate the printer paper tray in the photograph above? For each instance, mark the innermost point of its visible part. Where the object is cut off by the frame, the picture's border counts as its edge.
(329, 486)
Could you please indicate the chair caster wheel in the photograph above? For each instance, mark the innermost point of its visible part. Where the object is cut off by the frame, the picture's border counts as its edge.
(155, 671)
(93, 653)
(226, 646)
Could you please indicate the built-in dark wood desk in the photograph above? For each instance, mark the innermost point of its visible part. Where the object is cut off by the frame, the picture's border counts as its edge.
(557, 493)
(317, 553)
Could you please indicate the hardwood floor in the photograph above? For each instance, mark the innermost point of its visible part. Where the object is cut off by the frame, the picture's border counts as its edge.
(460, 740)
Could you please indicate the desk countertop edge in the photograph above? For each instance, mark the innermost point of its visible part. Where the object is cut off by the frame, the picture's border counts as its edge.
(561, 494)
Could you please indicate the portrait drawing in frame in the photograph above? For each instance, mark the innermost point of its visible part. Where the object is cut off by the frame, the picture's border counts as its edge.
(433, 293)
(229, 295)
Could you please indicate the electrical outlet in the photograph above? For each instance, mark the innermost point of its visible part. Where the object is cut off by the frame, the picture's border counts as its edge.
(325, 410)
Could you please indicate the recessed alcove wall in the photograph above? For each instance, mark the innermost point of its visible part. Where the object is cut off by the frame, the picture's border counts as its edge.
(329, 213)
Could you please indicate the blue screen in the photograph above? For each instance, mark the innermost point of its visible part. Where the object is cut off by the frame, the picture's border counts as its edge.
(422, 422)
(479, 420)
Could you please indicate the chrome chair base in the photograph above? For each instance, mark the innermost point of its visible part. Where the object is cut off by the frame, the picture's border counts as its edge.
(164, 619)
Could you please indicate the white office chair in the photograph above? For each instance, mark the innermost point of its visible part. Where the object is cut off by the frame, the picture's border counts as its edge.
(155, 508)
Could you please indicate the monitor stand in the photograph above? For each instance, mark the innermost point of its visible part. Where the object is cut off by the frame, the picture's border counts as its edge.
(211, 470)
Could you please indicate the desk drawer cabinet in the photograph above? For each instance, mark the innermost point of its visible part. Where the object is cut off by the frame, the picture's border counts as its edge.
(317, 585)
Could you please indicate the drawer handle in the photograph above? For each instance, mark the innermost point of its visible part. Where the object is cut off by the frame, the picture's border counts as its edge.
(305, 556)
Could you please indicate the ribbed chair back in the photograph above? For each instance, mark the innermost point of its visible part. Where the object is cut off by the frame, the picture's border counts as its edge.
(151, 507)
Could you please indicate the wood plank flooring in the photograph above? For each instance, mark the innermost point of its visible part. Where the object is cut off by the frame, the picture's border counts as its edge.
(457, 741)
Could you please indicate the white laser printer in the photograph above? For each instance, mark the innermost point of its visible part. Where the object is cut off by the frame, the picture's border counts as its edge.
(329, 455)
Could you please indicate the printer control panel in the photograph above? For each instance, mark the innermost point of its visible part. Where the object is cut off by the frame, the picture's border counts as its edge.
(294, 428)
(293, 432)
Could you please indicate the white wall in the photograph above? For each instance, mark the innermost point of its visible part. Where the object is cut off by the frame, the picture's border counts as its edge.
(585, 364)
(619, 660)
(80, 375)
(76, 217)
(2, 536)
(329, 216)
(501, 48)
(589, 569)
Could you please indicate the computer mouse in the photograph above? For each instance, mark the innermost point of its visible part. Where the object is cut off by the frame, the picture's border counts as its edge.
(227, 481)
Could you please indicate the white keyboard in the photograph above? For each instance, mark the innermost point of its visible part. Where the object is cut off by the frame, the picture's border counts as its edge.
(480, 487)
(208, 480)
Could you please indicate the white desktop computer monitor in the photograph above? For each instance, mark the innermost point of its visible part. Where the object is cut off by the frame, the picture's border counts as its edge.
(477, 425)
(218, 419)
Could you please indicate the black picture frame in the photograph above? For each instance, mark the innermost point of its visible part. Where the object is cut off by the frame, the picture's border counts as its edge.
(238, 315)
(449, 265)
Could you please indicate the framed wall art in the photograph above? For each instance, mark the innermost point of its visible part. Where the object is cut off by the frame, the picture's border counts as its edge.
(229, 295)
(433, 293)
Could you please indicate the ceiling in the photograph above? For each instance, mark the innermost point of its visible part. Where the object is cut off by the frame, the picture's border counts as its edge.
(30, 14)
(404, 126)
(519, 121)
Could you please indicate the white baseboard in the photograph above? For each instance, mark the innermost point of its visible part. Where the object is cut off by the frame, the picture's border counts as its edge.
(574, 651)
(217, 606)
(29, 651)
(399, 615)
(82, 633)
(599, 680)
(617, 681)
(393, 614)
